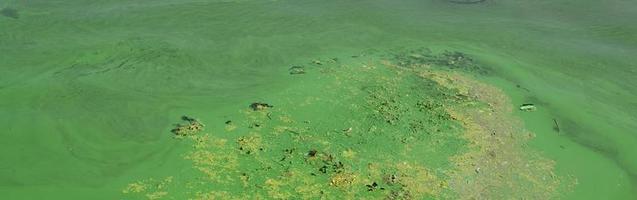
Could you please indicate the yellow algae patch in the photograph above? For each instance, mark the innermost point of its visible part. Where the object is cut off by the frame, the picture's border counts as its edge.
(230, 127)
(309, 190)
(349, 154)
(221, 195)
(286, 119)
(211, 157)
(273, 187)
(250, 144)
(343, 180)
(419, 181)
(295, 184)
(156, 195)
(136, 187)
(281, 129)
(151, 189)
(482, 92)
(497, 165)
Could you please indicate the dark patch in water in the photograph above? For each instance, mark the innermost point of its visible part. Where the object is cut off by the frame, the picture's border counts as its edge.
(556, 126)
(10, 13)
(522, 87)
(453, 60)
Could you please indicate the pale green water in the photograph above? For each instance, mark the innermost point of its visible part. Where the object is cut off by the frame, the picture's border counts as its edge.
(88, 89)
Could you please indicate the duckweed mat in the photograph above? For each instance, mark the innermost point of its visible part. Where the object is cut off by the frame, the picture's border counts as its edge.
(396, 126)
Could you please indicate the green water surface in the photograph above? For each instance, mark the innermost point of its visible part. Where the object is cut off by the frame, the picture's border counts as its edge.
(90, 89)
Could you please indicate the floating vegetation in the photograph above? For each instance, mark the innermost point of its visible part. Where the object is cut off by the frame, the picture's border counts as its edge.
(497, 167)
(149, 189)
(250, 144)
(192, 126)
(400, 129)
(295, 70)
(528, 107)
(10, 13)
(325, 163)
(211, 157)
(385, 105)
(343, 180)
(453, 60)
(257, 106)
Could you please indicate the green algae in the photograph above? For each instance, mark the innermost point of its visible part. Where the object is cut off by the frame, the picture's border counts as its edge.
(84, 134)
(437, 151)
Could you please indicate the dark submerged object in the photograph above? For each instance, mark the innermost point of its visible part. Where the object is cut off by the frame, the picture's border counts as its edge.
(10, 13)
(556, 126)
(454, 59)
(260, 106)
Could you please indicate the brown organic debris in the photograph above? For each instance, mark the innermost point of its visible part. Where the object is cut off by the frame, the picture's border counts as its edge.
(192, 126)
